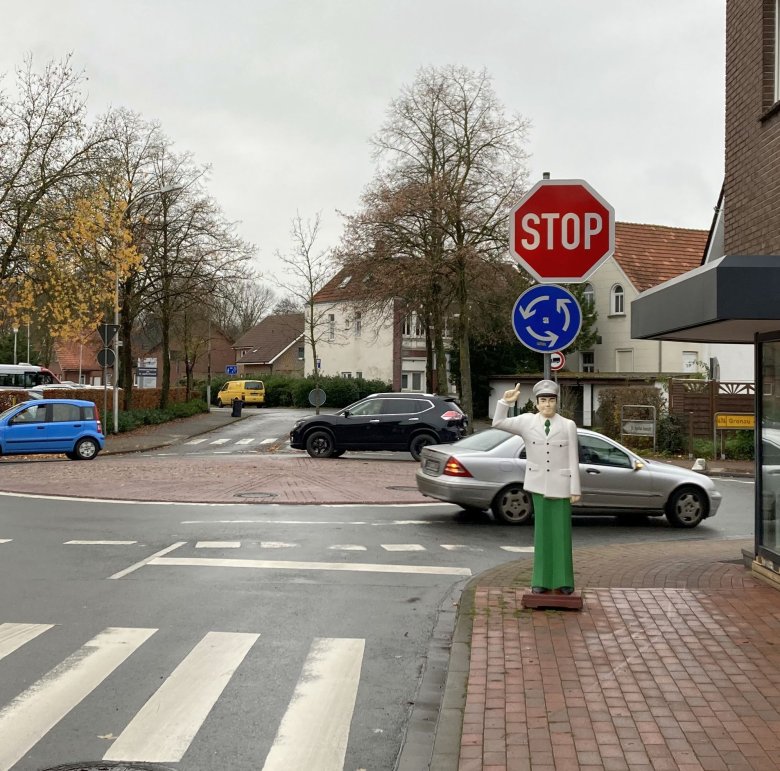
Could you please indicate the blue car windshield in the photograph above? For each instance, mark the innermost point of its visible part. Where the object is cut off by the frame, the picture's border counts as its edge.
(484, 440)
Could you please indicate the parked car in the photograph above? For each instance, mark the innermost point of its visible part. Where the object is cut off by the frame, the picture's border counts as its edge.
(69, 426)
(246, 391)
(385, 421)
(486, 471)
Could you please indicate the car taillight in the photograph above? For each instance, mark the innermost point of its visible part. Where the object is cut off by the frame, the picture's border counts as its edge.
(452, 415)
(454, 468)
(97, 418)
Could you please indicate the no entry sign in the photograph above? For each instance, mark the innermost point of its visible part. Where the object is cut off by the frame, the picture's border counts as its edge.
(561, 231)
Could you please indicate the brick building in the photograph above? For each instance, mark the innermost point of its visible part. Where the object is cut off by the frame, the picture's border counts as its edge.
(732, 296)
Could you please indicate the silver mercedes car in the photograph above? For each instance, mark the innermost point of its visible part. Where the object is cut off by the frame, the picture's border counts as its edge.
(486, 471)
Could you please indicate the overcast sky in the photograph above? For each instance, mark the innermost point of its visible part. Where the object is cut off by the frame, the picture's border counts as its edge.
(280, 97)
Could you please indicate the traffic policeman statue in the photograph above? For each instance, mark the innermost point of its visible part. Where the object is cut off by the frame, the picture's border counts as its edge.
(552, 476)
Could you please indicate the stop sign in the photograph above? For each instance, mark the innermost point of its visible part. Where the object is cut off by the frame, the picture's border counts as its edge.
(561, 231)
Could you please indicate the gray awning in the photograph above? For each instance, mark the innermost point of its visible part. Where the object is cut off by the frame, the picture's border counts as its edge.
(725, 301)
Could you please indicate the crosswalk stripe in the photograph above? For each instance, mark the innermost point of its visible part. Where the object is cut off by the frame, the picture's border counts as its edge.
(520, 549)
(315, 728)
(218, 545)
(33, 713)
(357, 567)
(6, 540)
(163, 729)
(277, 545)
(267, 441)
(13, 636)
(198, 440)
(247, 440)
(99, 543)
(347, 547)
(220, 441)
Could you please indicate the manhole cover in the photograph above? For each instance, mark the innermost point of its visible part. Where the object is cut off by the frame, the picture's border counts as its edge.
(108, 766)
(256, 495)
(401, 487)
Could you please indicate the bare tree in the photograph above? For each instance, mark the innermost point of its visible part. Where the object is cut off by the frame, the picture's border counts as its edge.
(453, 166)
(307, 270)
(241, 304)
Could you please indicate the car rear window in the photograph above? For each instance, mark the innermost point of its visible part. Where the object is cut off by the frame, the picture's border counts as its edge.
(404, 406)
(484, 440)
(254, 385)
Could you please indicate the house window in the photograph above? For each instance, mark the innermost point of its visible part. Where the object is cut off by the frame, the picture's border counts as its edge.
(300, 353)
(588, 362)
(618, 298)
(359, 375)
(411, 381)
(588, 295)
(358, 323)
(689, 359)
(331, 326)
(347, 375)
(413, 326)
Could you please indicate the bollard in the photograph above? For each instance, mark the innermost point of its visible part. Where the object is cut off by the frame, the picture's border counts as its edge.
(237, 406)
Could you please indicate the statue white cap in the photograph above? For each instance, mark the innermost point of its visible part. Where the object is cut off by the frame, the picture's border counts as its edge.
(545, 388)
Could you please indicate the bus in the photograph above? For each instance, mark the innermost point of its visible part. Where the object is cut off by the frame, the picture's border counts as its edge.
(24, 376)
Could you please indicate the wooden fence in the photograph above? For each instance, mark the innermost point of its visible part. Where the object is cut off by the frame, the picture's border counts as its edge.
(695, 402)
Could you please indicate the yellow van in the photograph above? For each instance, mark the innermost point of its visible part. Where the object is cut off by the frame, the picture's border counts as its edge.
(249, 391)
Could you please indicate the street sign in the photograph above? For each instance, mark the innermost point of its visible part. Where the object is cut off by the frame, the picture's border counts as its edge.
(557, 360)
(106, 357)
(546, 318)
(561, 231)
(107, 332)
(231, 369)
(735, 420)
(638, 427)
(316, 397)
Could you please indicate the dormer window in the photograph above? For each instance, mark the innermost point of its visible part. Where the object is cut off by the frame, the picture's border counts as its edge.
(345, 281)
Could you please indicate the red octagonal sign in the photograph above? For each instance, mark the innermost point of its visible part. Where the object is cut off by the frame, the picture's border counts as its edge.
(562, 231)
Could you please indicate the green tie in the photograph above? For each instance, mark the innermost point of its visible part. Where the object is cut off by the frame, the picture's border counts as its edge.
(546, 426)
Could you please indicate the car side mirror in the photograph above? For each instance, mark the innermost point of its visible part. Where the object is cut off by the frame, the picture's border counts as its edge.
(638, 465)
(346, 413)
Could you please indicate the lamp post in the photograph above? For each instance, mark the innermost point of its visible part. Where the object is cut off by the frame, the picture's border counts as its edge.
(117, 343)
(28, 342)
(16, 331)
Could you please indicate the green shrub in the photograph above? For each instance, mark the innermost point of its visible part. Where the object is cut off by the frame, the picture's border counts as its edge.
(129, 420)
(740, 445)
(670, 435)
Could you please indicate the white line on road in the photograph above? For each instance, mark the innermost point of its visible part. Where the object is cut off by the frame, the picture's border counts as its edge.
(247, 440)
(13, 636)
(402, 547)
(36, 711)
(6, 540)
(267, 441)
(99, 543)
(224, 440)
(460, 547)
(347, 547)
(218, 545)
(357, 567)
(523, 549)
(199, 440)
(163, 729)
(126, 571)
(315, 728)
(277, 545)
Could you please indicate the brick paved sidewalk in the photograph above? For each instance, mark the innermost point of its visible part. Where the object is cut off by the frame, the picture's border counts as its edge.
(673, 663)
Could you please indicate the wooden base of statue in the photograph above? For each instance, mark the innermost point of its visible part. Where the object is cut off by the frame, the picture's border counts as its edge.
(552, 600)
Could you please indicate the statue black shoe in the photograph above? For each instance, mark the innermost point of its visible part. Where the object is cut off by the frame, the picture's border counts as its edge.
(566, 589)
(538, 590)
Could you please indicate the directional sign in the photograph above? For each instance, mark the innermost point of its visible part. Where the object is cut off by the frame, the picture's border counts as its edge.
(546, 318)
(231, 369)
(557, 360)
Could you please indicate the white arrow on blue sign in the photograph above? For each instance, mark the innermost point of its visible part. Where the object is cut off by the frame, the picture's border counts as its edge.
(546, 318)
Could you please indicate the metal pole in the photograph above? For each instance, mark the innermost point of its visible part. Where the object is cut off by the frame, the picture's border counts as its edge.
(116, 353)
(547, 367)
(16, 330)
(208, 372)
(28, 342)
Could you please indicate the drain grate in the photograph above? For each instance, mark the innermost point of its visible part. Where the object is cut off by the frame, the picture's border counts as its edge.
(256, 495)
(108, 766)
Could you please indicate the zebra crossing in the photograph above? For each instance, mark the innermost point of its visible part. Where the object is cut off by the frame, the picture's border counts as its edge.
(313, 731)
(244, 441)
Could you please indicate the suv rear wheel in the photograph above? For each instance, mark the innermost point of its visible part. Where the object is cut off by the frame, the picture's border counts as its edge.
(320, 444)
(418, 442)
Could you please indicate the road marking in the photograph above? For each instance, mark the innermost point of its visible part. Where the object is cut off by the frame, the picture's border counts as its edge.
(247, 440)
(127, 571)
(25, 720)
(224, 440)
(165, 726)
(199, 440)
(6, 540)
(99, 543)
(13, 636)
(347, 547)
(460, 547)
(315, 728)
(523, 549)
(356, 567)
(277, 545)
(402, 547)
(267, 441)
(218, 545)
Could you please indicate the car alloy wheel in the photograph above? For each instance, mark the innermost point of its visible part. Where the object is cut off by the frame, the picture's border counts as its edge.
(320, 444)
(686, 507)
(513, 505)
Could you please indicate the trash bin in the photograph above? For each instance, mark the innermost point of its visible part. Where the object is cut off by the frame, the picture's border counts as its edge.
(237, 407)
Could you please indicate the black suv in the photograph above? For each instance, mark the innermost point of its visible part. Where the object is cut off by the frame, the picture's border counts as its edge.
(394, 421)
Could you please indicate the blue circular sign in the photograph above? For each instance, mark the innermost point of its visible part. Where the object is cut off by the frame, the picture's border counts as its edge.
(546, 318)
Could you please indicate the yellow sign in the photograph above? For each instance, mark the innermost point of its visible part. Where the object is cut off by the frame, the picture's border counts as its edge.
(735, 421)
